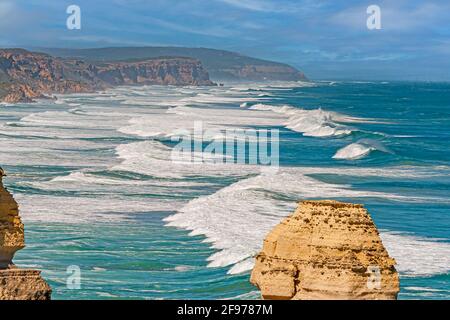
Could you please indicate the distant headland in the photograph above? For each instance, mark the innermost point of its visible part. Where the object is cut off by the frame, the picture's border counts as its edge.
(28, 75)
(221, 65)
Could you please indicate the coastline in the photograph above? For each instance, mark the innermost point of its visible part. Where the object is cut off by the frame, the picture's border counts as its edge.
(29, 75)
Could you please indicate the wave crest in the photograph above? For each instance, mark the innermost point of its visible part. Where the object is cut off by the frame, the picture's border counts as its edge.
(311, 123)
(359, 150)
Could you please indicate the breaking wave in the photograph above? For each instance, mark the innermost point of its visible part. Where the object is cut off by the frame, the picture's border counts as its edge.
(312, 123)
(360, 149)
(236, 219)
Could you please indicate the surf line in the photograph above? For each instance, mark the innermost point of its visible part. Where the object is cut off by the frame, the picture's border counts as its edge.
(197, 311)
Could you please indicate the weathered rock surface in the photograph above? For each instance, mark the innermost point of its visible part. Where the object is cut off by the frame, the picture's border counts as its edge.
(16, 284)
(26, 75)
(21, 284)
(325, 250)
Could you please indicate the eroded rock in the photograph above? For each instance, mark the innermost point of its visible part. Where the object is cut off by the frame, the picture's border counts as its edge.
(15, 283)
(325, 250)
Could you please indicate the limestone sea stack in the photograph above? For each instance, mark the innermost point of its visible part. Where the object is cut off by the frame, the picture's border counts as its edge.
(325, 250)
(15, 283)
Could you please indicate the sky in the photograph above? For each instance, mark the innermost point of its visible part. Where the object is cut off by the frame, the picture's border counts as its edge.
(325, 39)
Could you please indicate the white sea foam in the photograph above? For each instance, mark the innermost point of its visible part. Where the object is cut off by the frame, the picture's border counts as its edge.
(426, 289)
(91, 182)
(155, 159)
(172, 122)
(236, 218)
(68, 119)
(52, 152)
(353, 151)
(417, 256)
(360, 149)
(404, 172)
(313, 123)
(274, 85)
(88, 209)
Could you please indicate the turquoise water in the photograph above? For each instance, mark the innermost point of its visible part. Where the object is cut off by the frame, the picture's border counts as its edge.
(98, 190)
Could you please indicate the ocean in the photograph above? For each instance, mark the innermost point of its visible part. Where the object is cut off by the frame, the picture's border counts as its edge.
(99, 192)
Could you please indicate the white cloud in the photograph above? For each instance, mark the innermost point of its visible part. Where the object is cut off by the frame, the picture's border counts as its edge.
(275, 6)
(210, 31)
(254, 5)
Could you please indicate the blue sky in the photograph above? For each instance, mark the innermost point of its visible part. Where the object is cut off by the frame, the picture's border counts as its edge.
(326, 39)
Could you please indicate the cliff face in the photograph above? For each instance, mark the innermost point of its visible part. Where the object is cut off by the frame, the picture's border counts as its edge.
(26, 75)
(16, 284)
(325, 250)
(163, 71)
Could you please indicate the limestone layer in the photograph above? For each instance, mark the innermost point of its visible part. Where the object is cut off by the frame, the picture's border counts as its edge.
(15, 283)
(325, 250)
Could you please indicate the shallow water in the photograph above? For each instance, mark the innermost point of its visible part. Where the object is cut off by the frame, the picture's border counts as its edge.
(97, 187)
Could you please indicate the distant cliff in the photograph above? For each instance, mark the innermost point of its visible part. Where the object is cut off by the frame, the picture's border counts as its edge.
(325, 250)
(26, 75)
(221, 65)
(15, 283)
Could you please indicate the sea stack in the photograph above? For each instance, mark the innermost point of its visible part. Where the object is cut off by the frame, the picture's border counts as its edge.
(325, 250)
(15, 283)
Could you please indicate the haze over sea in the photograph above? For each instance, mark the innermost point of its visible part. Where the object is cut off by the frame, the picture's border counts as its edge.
(97, 188)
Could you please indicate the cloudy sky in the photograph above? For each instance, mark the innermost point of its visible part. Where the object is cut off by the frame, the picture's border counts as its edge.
(326, 39)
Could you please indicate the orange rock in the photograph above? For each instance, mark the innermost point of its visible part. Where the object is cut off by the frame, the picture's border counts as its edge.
(15, 283)
(325, 250)
(25, 76)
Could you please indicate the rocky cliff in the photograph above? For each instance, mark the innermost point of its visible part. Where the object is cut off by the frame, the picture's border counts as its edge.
(221, 65)
(26, 75)
(15, 283)
(325, 250)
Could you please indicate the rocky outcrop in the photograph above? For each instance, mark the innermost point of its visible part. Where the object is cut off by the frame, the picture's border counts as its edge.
(20, 92)
(25, 75)
(15, 283)
(325, 250)
(161, 71)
